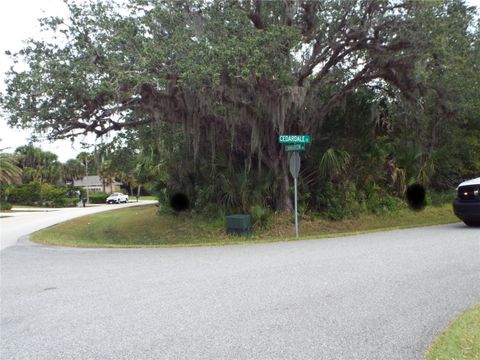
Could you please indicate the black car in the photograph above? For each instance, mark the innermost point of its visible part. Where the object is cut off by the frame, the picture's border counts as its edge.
(467, 204)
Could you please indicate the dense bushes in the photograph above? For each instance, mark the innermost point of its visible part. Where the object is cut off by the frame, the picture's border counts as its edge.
(378, 201)
(5, 206)
(440, 198)
(26, 194)
(334, 202)
(98, 198)
(52, 196)
(38, 194)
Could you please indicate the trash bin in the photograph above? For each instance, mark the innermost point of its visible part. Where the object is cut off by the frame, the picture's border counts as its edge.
(239, 224)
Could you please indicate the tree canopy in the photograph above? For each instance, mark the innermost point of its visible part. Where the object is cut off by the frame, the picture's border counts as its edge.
(208, 61)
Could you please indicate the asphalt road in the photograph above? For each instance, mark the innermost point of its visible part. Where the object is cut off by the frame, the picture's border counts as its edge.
(375, 296)
(18, 224)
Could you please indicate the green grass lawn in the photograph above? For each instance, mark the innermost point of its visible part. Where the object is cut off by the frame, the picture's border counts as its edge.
(461, 341)
(26, 206)
(143, 226)
(147, 197)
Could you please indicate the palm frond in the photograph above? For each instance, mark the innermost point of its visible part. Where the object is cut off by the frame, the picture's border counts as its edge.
(334, 162)
(10, 173)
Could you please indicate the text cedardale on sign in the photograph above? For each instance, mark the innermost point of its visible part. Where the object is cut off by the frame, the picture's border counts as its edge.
(294, 139)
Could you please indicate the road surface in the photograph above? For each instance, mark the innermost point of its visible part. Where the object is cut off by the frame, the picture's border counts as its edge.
(18, 224)
(374, 296)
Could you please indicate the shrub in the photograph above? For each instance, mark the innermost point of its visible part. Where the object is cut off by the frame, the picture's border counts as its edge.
(98, 198)
(5, 206)
(337, 203)
(52, 196)
(71, 201)
(440, 198)
(334, 203)
(379, 202)
(5, 191)
(211, 210)
(47, 195)
(260, 216)
(26, 194)
(63, 202)
(391, 203)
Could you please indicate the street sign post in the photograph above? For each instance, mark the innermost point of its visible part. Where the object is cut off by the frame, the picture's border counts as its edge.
(294, 144)
(295, 170)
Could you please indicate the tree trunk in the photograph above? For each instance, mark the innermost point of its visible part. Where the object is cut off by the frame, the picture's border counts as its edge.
(276, 160)
(138, 191)
(284, 199)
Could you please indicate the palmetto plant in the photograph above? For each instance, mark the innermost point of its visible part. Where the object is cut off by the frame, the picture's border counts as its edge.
(232, 188)
(334, 163)
(10, 173)
(409, 157)
(426, 171)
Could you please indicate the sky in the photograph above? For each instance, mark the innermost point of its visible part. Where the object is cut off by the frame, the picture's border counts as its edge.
(18, 21)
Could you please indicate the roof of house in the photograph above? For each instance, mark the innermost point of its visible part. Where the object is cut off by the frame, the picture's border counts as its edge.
(92, 180)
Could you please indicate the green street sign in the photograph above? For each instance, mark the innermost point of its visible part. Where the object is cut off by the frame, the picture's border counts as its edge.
(294, 139)
(294, 147)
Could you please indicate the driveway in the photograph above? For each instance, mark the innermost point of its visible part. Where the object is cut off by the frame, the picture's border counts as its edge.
(17, 224)
(374, 296)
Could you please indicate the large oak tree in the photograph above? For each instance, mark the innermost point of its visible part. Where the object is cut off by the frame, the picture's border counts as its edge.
(234, 74)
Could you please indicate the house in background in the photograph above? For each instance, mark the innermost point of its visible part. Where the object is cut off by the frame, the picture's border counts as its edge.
(93, 184)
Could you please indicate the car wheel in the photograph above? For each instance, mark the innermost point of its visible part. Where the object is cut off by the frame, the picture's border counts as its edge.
(472, 223)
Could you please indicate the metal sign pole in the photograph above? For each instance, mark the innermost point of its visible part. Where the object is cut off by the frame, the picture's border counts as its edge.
(295, 171)
(296, 209)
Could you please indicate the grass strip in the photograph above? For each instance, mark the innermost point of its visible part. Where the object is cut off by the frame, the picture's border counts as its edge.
(461, 340)
(143, 226)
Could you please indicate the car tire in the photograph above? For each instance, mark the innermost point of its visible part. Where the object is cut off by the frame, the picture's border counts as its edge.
(472, 223)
